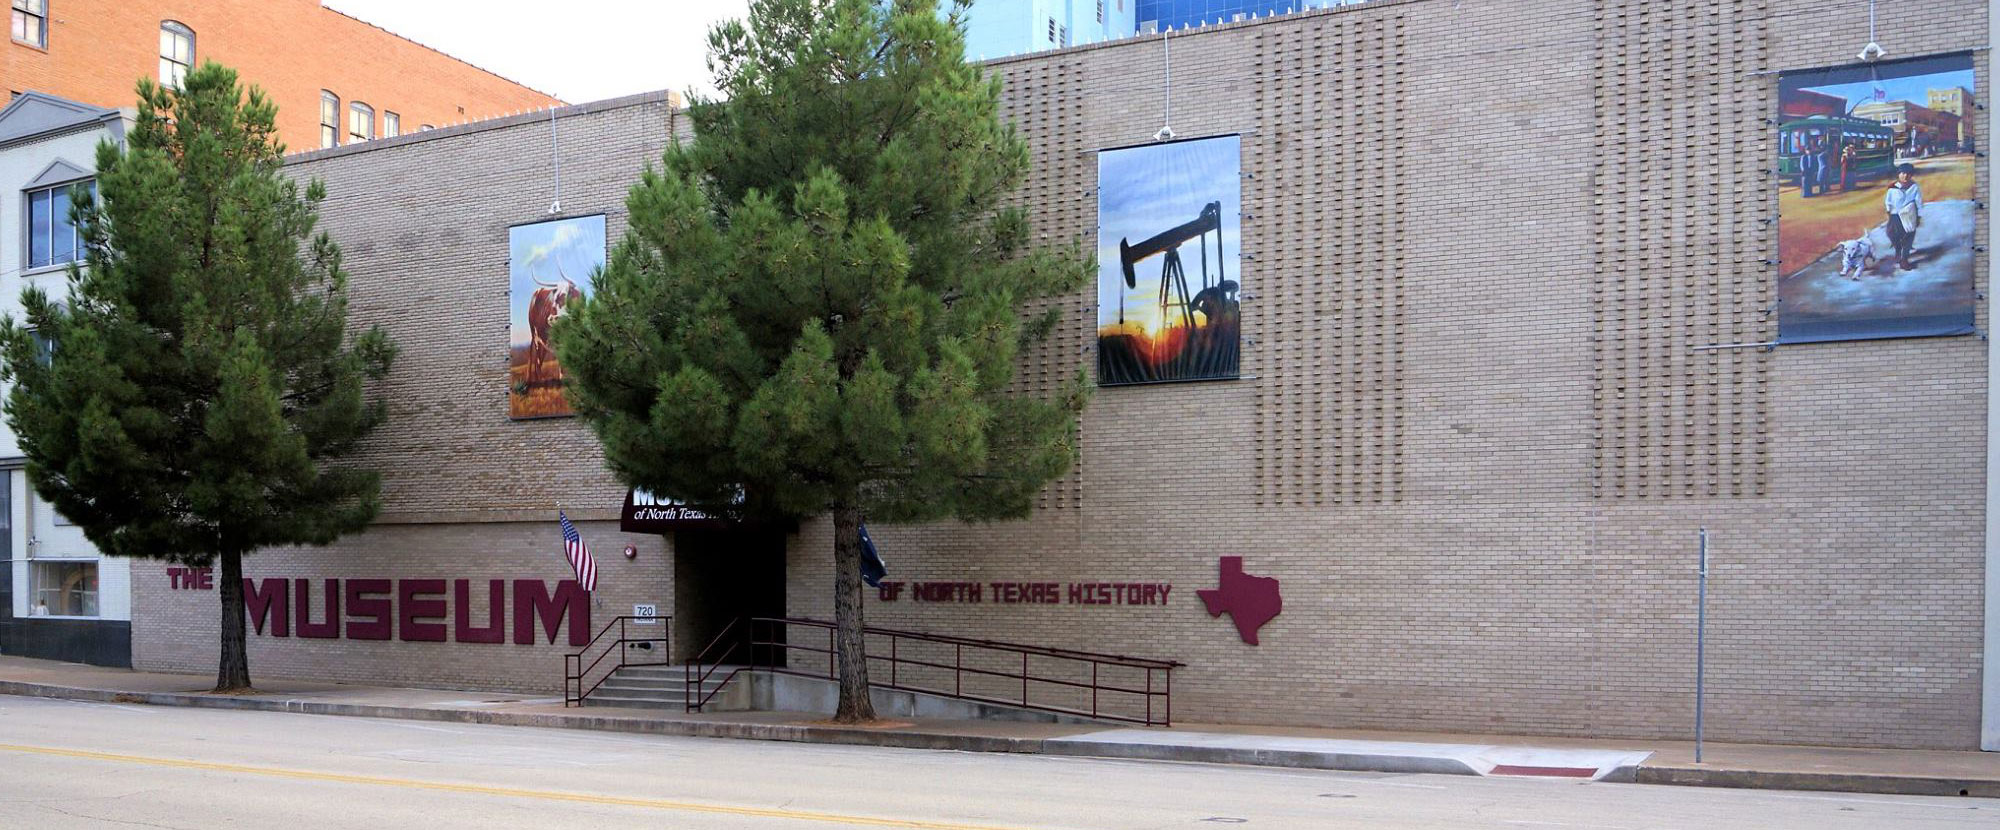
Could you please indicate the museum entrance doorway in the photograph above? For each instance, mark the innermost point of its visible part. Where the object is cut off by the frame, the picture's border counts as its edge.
(720, 576)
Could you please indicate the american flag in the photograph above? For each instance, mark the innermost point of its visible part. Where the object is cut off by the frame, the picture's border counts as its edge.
(579, 556)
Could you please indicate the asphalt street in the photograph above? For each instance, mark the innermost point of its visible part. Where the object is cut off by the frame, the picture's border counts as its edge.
(72, 764)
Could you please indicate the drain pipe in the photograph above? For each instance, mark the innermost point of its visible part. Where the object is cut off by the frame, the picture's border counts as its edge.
(1989, 690)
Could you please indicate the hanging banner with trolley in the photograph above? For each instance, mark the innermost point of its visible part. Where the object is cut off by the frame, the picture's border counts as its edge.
(1876, 200)
(1169, 233)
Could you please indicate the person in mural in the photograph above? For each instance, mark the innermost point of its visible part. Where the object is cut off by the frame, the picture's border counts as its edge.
(1811, 168)
(1904, 202)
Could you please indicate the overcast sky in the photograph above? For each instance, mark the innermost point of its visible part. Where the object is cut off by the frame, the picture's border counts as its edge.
(580, 50)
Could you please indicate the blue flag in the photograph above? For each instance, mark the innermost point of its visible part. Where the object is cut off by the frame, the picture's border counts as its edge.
(872, 569)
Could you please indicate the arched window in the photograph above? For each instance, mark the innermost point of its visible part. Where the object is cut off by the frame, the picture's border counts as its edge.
(176, 52)
(329, 119)
(360, 122)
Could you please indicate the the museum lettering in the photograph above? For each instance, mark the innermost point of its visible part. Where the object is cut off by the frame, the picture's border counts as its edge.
(417, 610)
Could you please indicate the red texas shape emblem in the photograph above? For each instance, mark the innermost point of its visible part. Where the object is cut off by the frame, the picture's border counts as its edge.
(1250, 600)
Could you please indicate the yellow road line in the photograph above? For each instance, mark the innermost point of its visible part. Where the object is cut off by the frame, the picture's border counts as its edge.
(506, 792)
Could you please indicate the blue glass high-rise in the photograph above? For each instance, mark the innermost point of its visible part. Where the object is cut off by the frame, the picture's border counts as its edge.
(1154, 15)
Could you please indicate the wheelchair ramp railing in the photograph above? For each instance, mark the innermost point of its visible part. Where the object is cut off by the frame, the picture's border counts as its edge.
(1109, 687)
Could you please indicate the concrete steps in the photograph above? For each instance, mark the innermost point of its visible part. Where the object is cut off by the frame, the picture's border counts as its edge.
(658, 687)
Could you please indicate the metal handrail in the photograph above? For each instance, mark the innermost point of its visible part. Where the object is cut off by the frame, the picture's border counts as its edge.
(775, 646)
(575, 671)
(694, 677)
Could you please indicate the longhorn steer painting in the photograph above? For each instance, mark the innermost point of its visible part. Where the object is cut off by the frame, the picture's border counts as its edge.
(550, 265)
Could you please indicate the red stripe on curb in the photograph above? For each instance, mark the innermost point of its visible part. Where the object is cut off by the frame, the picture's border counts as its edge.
(1551, 772)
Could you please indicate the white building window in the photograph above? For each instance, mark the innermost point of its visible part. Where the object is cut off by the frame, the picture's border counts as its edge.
(52, 239)
(31, 22)
(176, 52)
(329, 119)
(392, 124)
(63, 588)
(360, 122)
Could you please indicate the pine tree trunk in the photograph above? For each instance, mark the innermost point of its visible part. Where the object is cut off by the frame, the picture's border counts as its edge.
(232, 672)
(850, 642)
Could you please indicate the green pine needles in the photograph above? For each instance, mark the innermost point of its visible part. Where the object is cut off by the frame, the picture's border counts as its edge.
(819, 303)
(191, 398)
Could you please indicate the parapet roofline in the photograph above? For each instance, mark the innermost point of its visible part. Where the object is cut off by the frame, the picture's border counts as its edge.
(541, 116)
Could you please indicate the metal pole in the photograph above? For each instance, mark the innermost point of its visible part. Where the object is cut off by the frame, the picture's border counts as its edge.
(1700, 640)
(555, 152)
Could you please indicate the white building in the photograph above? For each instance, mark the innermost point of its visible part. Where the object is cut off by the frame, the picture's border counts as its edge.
(61, 599)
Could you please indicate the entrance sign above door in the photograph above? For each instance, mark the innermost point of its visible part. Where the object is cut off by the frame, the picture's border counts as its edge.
(647, 513)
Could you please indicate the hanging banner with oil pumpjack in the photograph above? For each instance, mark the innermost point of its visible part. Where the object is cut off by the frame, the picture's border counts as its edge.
(1169, 229)
(1875, 200)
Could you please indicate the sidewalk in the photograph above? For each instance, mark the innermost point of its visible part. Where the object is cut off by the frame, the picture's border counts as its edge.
(1902, 772)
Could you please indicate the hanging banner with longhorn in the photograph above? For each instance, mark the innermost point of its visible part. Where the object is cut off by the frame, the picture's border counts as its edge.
(549, 264)
(1169, 233)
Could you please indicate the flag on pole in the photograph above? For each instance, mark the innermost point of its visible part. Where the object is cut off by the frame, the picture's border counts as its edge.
(872, 567)
(579, 556)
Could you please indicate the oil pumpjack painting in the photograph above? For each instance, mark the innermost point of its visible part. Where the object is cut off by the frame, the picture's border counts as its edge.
(550, 265)
(1169, 233)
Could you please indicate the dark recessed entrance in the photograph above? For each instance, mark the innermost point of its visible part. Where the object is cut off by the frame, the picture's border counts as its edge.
(721, 576)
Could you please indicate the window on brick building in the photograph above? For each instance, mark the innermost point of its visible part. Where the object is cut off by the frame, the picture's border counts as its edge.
(329, 119)
(52, 239)
(360, 122)
(424, 128)
(176, 52)
(392, 124)
(31, 22)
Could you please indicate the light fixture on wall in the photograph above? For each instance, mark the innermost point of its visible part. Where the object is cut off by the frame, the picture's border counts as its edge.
(631, 551)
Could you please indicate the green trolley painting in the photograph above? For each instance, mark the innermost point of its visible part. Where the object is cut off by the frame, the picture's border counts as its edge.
(1875, 200)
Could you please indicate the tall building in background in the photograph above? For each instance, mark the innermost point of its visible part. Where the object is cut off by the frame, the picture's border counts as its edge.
(335, 79)
(1155, 15)
(998, 28)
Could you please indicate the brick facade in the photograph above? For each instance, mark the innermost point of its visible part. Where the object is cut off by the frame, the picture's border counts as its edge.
(98, 49)
(1473, 440)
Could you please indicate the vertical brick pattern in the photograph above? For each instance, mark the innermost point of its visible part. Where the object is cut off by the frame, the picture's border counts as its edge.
(1046, 105)
(1329, 392)
(1681, 231)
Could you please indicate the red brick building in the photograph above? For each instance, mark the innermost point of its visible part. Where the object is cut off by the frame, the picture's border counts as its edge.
(334, 78)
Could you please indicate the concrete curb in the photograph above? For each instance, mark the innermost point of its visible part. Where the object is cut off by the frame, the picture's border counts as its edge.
(847, 736)
(1818, 782)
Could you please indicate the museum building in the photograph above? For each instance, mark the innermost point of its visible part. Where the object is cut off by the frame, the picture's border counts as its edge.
(1495, 320)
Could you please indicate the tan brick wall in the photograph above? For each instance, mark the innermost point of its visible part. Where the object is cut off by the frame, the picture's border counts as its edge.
(1459, 250)
(468, 493)
(1476, 446)
(99, 49)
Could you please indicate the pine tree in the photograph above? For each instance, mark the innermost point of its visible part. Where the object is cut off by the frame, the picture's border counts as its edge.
(191, 398)
(817, 309)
